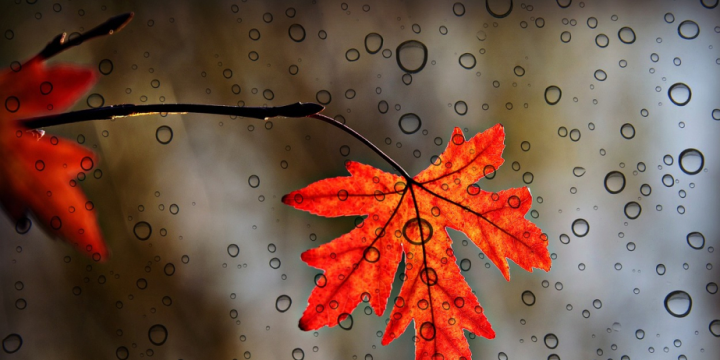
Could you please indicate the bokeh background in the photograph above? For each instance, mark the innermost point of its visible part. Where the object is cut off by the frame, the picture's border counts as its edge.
(604, 297)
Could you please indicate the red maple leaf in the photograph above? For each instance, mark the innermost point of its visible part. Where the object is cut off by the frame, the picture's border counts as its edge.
(410, 215)
(37, 173)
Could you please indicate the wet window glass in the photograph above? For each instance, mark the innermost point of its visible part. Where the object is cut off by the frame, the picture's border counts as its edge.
(610, 114)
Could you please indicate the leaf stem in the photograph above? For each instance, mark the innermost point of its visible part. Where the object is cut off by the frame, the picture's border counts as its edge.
(365, 141)
(123, 110)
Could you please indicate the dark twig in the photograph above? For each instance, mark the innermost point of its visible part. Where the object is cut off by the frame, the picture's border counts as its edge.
(123, 110)
(61, 43)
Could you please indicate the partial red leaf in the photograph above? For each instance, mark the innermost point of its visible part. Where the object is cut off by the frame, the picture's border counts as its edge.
(410, 217)
(37, 172)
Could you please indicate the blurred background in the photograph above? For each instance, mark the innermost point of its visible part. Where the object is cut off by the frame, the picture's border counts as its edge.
(591, 95)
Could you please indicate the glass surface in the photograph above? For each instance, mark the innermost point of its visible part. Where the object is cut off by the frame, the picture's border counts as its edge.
(600, 101)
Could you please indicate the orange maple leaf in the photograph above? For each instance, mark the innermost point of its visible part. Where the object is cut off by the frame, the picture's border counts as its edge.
(37, 173)
(410, 215)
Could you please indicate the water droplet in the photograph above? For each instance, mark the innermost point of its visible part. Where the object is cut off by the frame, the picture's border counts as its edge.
(94, 101)
(551, 341)
(298, 354)
(696, 240)
(680, 94)
(254, 181)
(458, 9)
(580, 227)
(500, 11)
(158, 334)
(528, 298)
(565, 36)
(373, 43)
(467, 61)
(714, 327)
(660, 269)
(639, 334)
(678, 303)
(410, 123)
(578, 171)
(122, 353)
(691, 161)
(233, 250)
(668, 180)
(600, 75)
(164, 134)
(632, 210)
(282, 303)
(352, 55)
(712, 288)
(105, 67)
(553, 94)
(411, 56)
(626, 35)
(602, 40)
(275, 263)
(142, 230)
(688, 30)
(323, 97)
(627, 131)
(296, 32)
(614, 182)
(461, 108)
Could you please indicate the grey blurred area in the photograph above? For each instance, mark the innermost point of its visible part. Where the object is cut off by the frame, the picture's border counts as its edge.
(223, 251)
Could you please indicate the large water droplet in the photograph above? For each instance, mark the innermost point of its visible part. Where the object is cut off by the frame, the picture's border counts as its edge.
(680, 94)
(411, 56)
(164, 134)
(12, 343)
(296, 32)
(352, 55)
(410, 123)
(626, 35)
(158, 334)
(373, 43)
(627, 131)
(602, 40)
(600, 75)
(499, 8)
(142, 230)
(578, 171)
(714, 327)
(233, 250)
(282, 303)
(551, 341)
(105, 67)
(678, 303)
(691, 161)
(528, 298)
(614, 182)
(632, 210)
(467, 61)
(95, 100)
(323, 97)
(580, 227)
(696, 240)
(553, 94)
(688, 30)
(298, 354)
(254, 181)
